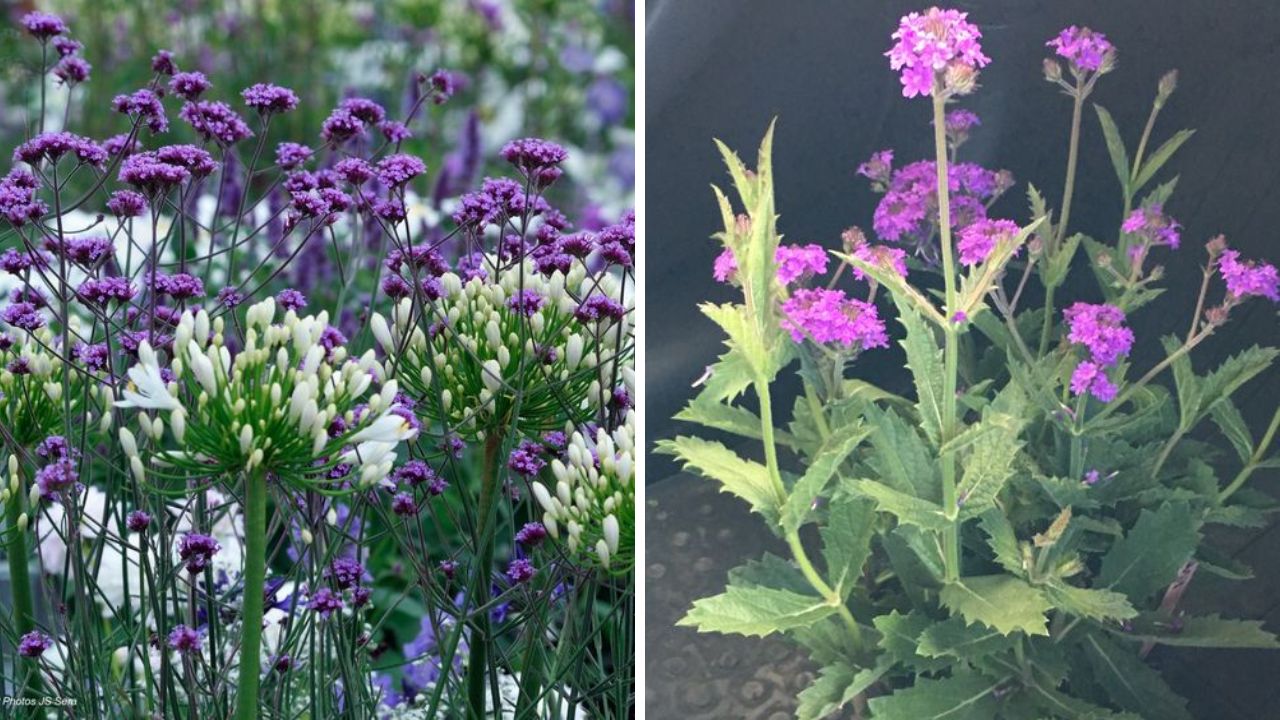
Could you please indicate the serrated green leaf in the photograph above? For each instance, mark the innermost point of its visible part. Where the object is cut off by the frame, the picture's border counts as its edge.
(960, 697)
(755, 611)
(744, 334)
(846, 543)
(990, 463)
(728, 418)
(924, 359)
(956, 638)
(836, 687)
(899, 457)
(1150, 555)
(738, 172)
(908, 509)
(1229, 420)
(770, 571)
(821, 468)
(747, 479)
(1131, 683)
(1056, 269)
(1234, 372)
(1115, 148)
(1102, 605)
(1003, 602)
(1200, 631)
(900, 640)
(1002, 540)
(727, 379)
(1160, 157)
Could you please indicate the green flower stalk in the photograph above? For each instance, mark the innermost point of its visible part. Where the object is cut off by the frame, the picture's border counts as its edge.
(592, 505)
(266, 413)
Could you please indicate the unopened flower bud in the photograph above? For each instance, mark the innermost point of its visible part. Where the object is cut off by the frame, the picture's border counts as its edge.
(1216, 245)
(852, 239)
(960, 79)
(1052, 70)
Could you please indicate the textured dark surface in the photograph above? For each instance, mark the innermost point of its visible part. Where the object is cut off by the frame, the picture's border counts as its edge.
(723, 68)
(695, 535)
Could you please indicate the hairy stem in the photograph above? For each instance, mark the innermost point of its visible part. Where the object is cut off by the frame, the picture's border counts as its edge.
(1068, 189)
(255, 573)
(951, 354)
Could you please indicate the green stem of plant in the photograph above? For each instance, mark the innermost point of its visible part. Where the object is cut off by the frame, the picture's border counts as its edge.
(1252, 465)
(478, 662)
(1152, 373)
(1077, 439)
(255, 574)
(951, 350)
(816, 409)
(1068, 190)
(24, 616)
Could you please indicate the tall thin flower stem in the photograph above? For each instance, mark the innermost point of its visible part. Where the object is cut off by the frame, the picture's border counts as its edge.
(1068, 189)
(255, 572)
(24, 616)
(951, 348)
(1258, 454)
(478, 662)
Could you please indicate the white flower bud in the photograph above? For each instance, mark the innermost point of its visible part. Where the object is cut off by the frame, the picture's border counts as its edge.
(543, 497)
(22, 523)
(135, 466)
(178, 423)
(246, 439)
(602, 550)
(573, 351)
(128, 442)
(491, 374)
(382, 333)
(611, 533)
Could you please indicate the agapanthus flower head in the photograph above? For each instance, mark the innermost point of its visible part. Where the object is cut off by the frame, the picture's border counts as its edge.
(937, 48)
(42, 25)
(830, 316)
(72, 70)
(269, 99)
(592, 506)
(189, 85)
(51, 146)
(215, 121)
(184, 639)
(1153, 226)
(978, 239)
(1101, 330)
(1084, 49)
(1248, 277)
(795, 262)
(34, 644)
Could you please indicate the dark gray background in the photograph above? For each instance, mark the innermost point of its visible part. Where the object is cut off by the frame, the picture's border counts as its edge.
(723, 68)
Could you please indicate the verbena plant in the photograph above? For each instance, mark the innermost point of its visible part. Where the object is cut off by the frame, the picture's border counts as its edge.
(222, 500)
(1013, 540)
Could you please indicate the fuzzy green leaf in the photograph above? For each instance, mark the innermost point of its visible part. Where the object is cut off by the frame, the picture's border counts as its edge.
(747, 479)
(900, 639)
(908, 509)
(1149, 557)
(836, 687)
(1003, 540)
(1102, 605)
(1229, 420)
(821, 468)
(1160, 157)
(924, 359)
(956, 638)
(755, 611)
(1115, 148)
(1131, 683)
(846, 542)
(1204, 631)
(1056, 269)
(1234, 372)
(728, 418)
(990, 463)
(900, 458)
(727, 379)
(1003, 602)
(960, 697)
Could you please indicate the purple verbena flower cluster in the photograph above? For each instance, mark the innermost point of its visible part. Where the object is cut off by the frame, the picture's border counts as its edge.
(937, 50)
(1100, 329)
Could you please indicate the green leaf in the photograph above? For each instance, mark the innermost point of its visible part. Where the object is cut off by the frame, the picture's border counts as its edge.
(837, 685)
(727, 379)
(815, 479)
(1131, 683)
(747, 479)
(1055, 271)
(990, 465)
(1102, 605)
(846, 543)
(1203, 631)
(738, 172)
(1149, 557)
(755, 611)
(900, 639)
(770, 571)
(1234, 372)
(1115, 148)
(1003, 602)
(1229, 420)
(908, 509)
(924, 359)
(956, 638)
(728, 418)
(960, 697)
(744, 334)
(1003, 541)
(900, 458)
(1160, 157)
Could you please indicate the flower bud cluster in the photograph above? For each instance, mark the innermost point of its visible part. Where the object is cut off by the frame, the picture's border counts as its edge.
(592, 506)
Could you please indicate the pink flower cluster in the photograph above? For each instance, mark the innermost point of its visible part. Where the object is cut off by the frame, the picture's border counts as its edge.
(829, 316)
(937, 44)
(1083, 48)
(886, 257)
(798, 261)
(1100, 329)
(1153, 226)
(1247, 277)
(979, 238)
(909, 209)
